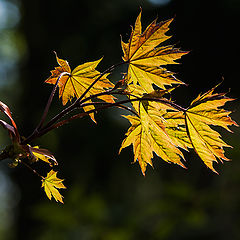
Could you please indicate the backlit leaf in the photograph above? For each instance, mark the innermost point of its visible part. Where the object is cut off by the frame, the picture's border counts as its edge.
(176, 129)
(147, 138)
(51, 184)
(206, 110)
(145, 57)
(74, 83)
(44, 155)
(151, 132)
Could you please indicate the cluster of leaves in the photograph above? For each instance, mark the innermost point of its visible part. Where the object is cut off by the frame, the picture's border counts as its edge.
(158, 124)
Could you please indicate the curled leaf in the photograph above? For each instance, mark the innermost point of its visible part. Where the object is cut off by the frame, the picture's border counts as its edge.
(13, 131)
(43, 154)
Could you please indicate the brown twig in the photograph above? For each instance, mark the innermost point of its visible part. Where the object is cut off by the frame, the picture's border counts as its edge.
(33, 170)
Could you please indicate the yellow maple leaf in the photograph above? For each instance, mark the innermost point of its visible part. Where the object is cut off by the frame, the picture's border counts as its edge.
(74, 83)
(204, 111)
(176, 129)
(148, 139)
(43, 154)
(51, 184)
(151, 132)
(145, 57)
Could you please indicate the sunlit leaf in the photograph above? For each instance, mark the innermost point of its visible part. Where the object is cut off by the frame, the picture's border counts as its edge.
(44, 155)
(147, 138)
(74, 83)
(206, 110)
(151, 132)
(176, 129)
(146, 58)
(51, 184)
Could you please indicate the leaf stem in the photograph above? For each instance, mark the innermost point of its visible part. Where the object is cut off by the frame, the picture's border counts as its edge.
(39, 126)
(110, 69)
(50, 100)
(33, 170)
(69, 108)
(81, 102)
(105, 106)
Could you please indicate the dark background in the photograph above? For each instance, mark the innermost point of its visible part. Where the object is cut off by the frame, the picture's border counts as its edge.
(106, 196)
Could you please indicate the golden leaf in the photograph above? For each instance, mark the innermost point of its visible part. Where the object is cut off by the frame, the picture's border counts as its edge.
(44, 155)
(51, 184)
(176, 129)
(74, 83)
(151, 132)
(145, 57)
(204, 111)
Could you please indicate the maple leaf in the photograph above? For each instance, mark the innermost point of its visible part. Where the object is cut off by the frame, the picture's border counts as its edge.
(75, 83)
(51, 184)
(176, 129)
(42, 154)
(144, 56)
(149, 139)
(204, 111)
(151, 132)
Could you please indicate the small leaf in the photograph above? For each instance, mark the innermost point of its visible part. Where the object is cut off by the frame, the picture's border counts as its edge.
(44, 155)
(51, 184)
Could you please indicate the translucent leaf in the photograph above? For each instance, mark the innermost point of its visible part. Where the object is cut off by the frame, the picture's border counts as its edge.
(146, 58)
(51, 184)
(204, 111)
(76, 82)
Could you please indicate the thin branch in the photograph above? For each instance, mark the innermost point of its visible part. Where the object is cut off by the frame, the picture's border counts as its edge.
(33, 170)
(111, 105)
(104, 106)
(81, 102)
(77, 104)
(36, 130)
(110, 69)
(128, 109)
(50, 100)
(69, 108)
(45, 130)
(106, 92)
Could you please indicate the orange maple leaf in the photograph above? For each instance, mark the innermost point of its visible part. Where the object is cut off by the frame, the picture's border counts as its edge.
(75, 83)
